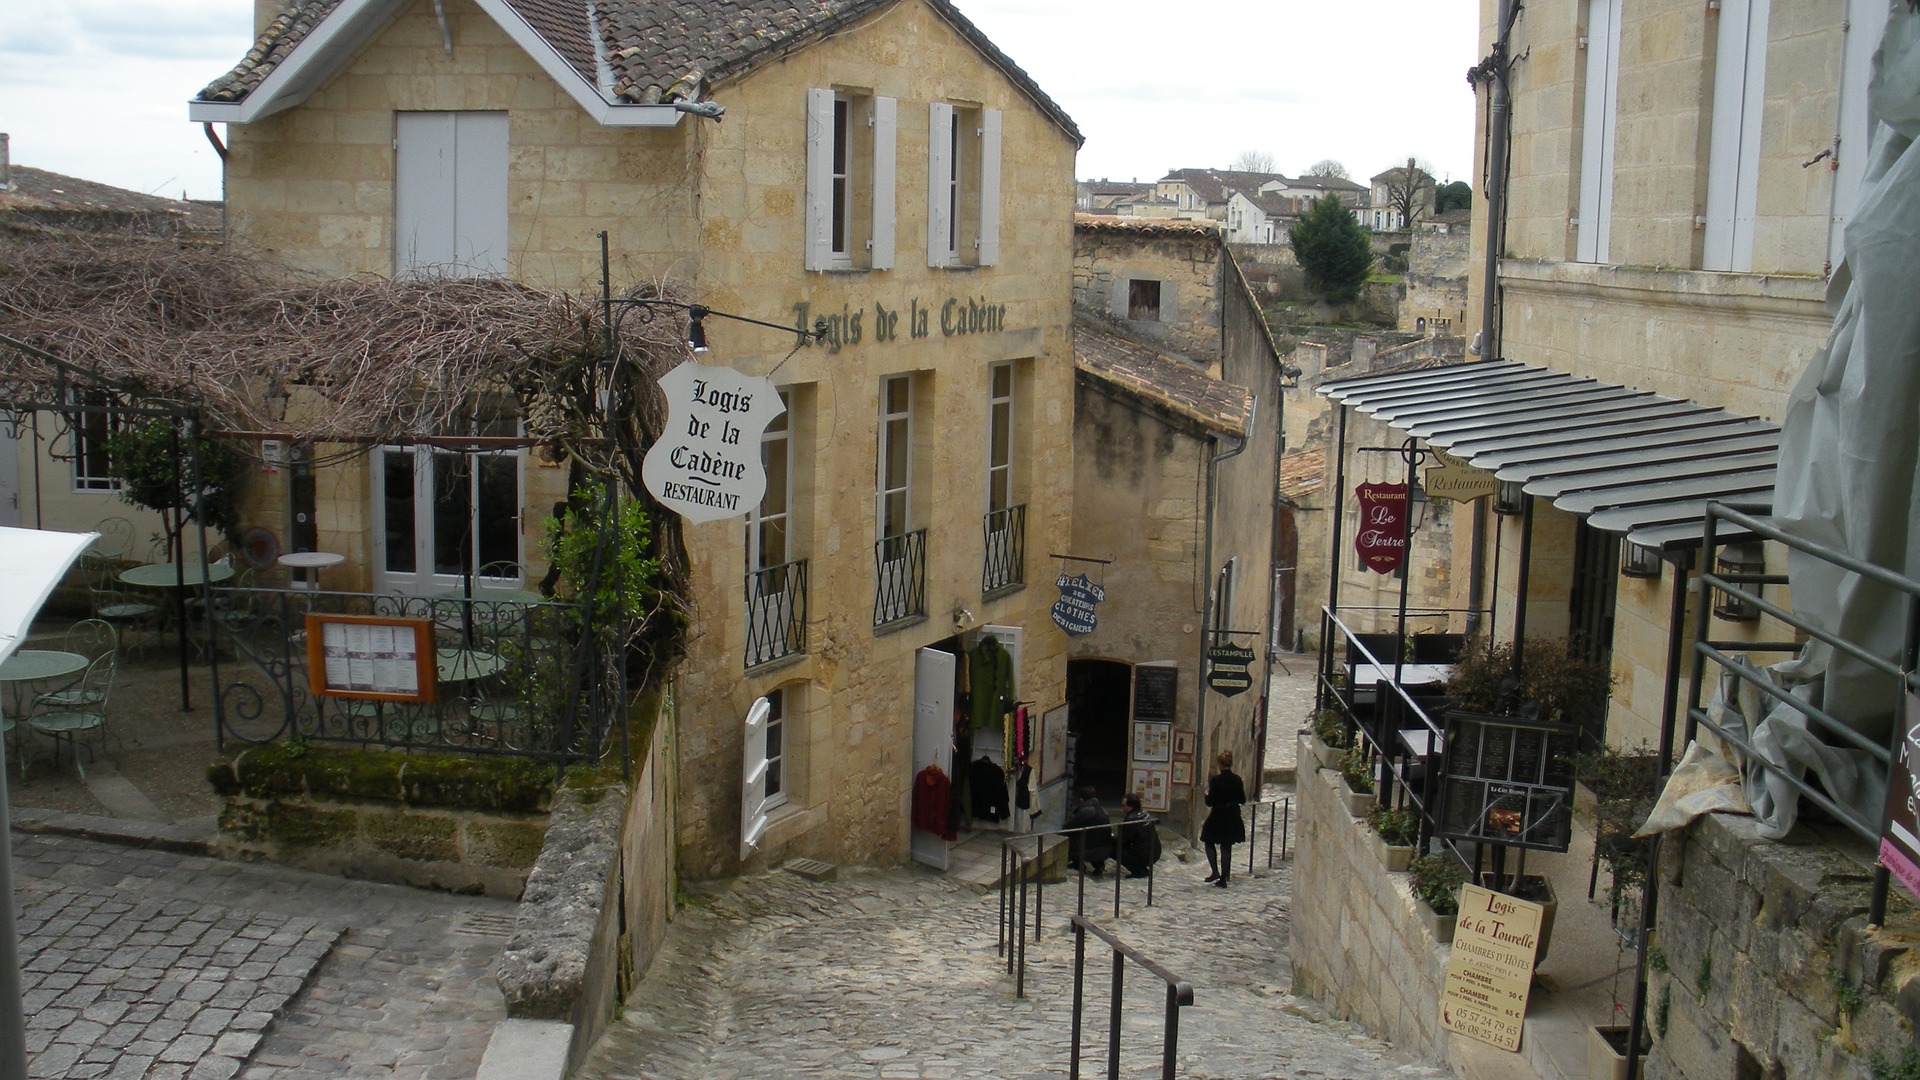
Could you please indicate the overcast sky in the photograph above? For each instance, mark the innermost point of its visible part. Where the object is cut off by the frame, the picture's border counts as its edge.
(98, 88)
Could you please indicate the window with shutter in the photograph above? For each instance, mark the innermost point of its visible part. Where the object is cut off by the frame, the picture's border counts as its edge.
(850, 180)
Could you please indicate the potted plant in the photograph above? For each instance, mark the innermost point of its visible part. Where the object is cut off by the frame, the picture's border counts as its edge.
(1607, 1051)
(1395, 832)
(1357, 772)
(1625, 786)
(1436, 889)
(1329, 737)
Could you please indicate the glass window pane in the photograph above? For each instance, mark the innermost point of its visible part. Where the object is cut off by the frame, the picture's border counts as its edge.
(1002, 380)
(896, 474)
(396, 482)
(452, 514)
(999, 494)
(897, 394)
(893, 519)
(1000, 447)
(774, 457)
(773, 543)
(499, 523)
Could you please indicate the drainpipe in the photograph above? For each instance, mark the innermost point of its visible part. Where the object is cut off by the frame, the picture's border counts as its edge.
(1499, 115)
(1206, 613)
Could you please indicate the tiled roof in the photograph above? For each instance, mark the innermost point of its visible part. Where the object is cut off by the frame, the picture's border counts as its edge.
(1214, 185)
(1272, 202)
(1325, 183)
(69, 200)
(1146, 226)
(655, 51)
(1149, 374)
(1303, 472)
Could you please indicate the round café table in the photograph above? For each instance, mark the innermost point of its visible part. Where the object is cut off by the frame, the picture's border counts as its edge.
(29, 666)
(164, 575)
(310, 563)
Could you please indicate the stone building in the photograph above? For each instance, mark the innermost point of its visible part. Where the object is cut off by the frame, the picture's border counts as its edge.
(1433, 291)
(881, 165)
(1681, 178)
(1176, 452)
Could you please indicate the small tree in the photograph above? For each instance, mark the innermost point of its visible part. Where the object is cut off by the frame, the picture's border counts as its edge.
(154, 463)
(1253, 161)
(1332, 249)
(1455, 196)
(1328, 167)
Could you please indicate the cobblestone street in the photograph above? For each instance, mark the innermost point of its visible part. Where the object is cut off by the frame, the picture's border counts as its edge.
(142, 963)
(894, 974)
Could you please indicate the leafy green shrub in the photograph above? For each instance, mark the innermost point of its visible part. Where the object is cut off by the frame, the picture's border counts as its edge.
(1330, 727)
(1356, 771)
(1399, 828)
(1436, 881)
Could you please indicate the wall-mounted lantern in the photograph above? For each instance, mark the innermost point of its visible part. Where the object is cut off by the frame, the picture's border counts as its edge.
(1738, 560)
(1510, 497)
(1639, 561)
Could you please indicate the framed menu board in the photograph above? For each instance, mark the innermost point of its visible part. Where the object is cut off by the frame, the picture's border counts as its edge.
(1508, 780)
(371, 657)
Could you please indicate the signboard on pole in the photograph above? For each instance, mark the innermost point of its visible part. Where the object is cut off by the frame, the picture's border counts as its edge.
(1073, 612)
(1229, 669)
(1451, 477)
(1900, 840)
(706, 465)
(1381, 540)
(1490, 971)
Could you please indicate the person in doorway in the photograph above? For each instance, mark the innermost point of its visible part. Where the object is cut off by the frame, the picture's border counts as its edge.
(1139, 838)
(1223, 827)
(1090, 849)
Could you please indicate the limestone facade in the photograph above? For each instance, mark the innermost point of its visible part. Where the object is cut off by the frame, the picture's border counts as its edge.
(1156, 280)
(721, 209)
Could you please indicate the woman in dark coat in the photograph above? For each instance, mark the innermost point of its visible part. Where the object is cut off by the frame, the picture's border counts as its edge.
(1223, 827)
(1091, 849)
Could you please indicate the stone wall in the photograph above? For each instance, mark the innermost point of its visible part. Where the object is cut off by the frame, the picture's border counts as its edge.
(1434, 287)
(1760, 940)
(1357, 944)
(431, 821)
(1187, 268)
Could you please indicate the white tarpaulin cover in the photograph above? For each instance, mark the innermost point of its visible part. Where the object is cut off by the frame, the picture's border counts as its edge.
(31, 563)
(1849, 472)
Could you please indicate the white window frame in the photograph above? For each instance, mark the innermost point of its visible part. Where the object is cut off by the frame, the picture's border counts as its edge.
(80, 443)
(424, 579)
(1001, 422)
(775, 784)
(450, 207)
(959, 183)
(1592, 234)
(889, 418)
(772, 610)
(1733, 161)
(838, 173)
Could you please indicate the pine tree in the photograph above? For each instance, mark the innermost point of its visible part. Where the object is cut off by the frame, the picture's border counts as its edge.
(1332, 249)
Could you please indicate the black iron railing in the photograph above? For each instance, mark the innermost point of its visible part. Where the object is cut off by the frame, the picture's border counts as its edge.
(1179, 995)
(1005, 563)
(776, 612)
(516, 678)
(1022, 881)
(900, 577)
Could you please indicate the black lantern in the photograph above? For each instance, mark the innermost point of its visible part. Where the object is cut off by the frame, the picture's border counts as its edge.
(1510, 497)
(1639, 560)
(1736, 561)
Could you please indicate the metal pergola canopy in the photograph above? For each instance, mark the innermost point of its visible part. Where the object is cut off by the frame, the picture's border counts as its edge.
(1628, 460)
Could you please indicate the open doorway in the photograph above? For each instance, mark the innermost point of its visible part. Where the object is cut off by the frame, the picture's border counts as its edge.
(1099, 703)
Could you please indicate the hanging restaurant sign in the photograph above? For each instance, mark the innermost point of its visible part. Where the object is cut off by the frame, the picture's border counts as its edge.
(1451, 477)
(706, 464)
(1073, 612)
(1900, 842)
(1381, 540)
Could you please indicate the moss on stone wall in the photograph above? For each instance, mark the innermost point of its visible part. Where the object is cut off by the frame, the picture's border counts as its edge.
(418, 780)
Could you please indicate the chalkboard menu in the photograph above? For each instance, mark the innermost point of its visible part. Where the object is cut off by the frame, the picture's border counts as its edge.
(1153, 693)
(1507, 780)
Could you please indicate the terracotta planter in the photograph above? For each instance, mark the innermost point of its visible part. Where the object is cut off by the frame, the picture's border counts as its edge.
(1604, 1061)
(1440, 927)
(1532, 886)
(1394, 857)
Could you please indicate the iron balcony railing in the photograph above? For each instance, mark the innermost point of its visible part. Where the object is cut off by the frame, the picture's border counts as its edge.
(1005, 564)
(900, 577)
(776, 612)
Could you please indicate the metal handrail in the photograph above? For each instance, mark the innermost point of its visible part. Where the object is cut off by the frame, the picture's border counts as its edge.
(1179, 996)
(1280, 815)
(1016, 871)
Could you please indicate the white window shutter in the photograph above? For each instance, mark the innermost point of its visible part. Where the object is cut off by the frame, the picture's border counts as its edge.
(989, 186)
(939, 150)
(819, 222)
(885, 123)
(753, 779)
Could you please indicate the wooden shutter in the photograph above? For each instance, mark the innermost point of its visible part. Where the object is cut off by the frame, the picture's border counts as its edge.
(819, 217)
(753, 779)
(939, 152)
(989, 187)
(885, 124)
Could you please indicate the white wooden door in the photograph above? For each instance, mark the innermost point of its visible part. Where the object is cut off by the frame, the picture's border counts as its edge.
(933, 673)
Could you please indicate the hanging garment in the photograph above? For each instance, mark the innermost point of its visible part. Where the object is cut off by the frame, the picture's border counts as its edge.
(989, 784)
(1023, 789)
(989, 682)
(932, 791)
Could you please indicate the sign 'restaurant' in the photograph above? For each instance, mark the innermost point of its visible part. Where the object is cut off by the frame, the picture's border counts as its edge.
(706, 465)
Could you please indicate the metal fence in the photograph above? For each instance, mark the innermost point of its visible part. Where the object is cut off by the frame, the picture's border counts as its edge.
(1005, 534)
(518, 678)
(776, 612)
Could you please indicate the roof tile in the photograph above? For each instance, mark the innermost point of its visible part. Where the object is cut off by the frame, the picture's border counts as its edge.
(1150, 374)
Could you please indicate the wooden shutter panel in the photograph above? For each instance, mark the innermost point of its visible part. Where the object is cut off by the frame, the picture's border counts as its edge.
(885, 123)
(989, 187)
(819, 217)
(939, 151)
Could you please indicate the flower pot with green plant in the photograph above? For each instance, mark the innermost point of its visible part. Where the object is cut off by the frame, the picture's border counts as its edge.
(1436, 888)
(1395, 832)
(1625, 786)
(1357, 772)
(1329, 737)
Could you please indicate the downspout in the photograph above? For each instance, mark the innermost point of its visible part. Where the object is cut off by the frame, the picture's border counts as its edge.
(1333, 571)
(1499, 116)
(1206, 610)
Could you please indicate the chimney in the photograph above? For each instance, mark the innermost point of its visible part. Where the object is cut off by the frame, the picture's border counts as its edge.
(6, 164)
